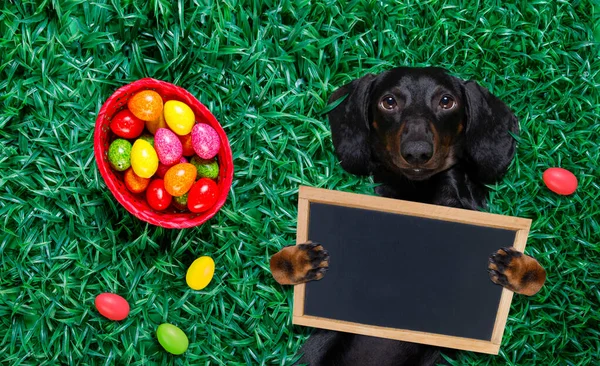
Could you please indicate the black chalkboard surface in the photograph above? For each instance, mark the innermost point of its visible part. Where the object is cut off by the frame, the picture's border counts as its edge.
(404, 270)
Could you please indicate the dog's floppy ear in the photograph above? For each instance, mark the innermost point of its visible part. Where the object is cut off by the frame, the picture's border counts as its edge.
(350, 126)
(489, 146)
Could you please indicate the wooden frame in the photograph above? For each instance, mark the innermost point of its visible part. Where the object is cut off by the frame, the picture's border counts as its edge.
(519, 225)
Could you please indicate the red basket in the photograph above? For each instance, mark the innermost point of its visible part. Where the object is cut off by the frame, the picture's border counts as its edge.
(136, 203)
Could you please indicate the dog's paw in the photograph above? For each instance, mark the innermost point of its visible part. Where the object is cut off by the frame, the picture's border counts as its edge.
(300, 263)
(516, 271)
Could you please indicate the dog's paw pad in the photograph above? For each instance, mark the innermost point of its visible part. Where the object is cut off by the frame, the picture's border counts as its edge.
(516, 271)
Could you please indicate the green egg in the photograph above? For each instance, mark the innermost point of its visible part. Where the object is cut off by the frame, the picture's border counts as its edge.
(119, 155)
(148, 138)
(180, 202)
(172, 338)
(206, 168)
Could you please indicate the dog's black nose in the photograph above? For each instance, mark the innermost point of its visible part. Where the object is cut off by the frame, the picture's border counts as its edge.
(416, 152)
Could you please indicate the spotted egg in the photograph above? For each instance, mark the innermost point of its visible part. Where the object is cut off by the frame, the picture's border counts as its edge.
(168, 146)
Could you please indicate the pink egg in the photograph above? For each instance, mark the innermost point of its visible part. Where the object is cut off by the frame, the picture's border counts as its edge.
(205, 141)
(560, 181)
(162, 168)
(168, 146)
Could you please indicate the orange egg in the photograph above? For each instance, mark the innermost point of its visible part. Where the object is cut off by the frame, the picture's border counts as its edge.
(153, 126)
(135, 183)
(146, 105)
(180, 178)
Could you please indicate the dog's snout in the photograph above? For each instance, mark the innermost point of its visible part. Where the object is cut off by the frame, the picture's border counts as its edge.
(416, 152)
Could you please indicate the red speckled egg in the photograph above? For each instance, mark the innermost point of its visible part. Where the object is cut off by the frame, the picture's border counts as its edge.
(112, 306)
(202, 195)
(560, 181)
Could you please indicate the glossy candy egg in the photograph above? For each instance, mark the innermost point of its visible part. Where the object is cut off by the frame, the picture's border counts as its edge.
(205, 140)
(202, 195)
(172, 339)
(154, 125)
(206, 168)
(157, 196)
(180, 202)
(186, 143)
(112, 306)
(144, 160)
(162, 168)
(179, 179)
(168, 147)
(124, 124)
(119, 155)
(146, 105)
(560, 181)
(179, 117)
(200, 273)
(134, 183)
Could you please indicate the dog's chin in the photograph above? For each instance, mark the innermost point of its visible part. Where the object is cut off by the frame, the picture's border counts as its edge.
(417, 174)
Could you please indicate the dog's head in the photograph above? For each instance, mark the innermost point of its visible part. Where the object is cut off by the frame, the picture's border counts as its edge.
(419, 122)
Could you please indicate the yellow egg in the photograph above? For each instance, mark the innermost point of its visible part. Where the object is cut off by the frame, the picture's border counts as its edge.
(200, 273)
(179, 117)
(144, 159)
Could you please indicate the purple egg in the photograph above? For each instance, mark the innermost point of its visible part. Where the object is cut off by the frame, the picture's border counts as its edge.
(168, 146)
(205, 141)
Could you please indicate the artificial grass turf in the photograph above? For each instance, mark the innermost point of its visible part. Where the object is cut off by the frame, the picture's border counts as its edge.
(265, 69)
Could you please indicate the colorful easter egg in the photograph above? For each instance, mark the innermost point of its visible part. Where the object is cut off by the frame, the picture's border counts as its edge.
(148, 138)
(144, 160)
(168, 147)
(124, 124)
(112, 306)
(119, 155)
(179, 117)
(207, 168)
(172, 339)
(186, 143)
(205, 141)
(200, 273)
(134, 183)
(203, 195)
(154, 125)
(560, 181)
(146, 105)
(179, 179)
(180, 202)
(157, 196)
(162, 168)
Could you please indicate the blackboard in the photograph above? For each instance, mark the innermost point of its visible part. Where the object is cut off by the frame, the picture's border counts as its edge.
(405, 270)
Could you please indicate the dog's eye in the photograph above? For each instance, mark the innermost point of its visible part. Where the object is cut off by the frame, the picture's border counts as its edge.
(447, 102)
(388, 102)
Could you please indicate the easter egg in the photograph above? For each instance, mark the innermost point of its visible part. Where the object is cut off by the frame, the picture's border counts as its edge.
(144, 160)
(112, 306)
(180, 202)
(206, 168)
(125, 124)
(134, 183)
(202, 195)
(157, 196)
(168, 147)
(200, 273)
(154, 125)
(205, 141)
(148, 138)
(186, 143)
(172, 339)
(560, 181)
(146, 105)
(179, 116)
(179, 179)
(119, 154)
(162, 168)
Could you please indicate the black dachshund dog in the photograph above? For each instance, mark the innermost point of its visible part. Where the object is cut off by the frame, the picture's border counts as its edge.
(424, 136)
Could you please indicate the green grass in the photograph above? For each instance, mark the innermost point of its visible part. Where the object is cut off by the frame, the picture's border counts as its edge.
(266, 68)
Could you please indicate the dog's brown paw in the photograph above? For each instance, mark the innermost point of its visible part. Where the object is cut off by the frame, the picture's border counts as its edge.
(300, 263)
(516, 271)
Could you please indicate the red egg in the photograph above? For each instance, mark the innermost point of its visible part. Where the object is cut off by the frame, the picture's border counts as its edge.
(202, 195)
(125, 124)
(560, 181)
(186, 142)
(112, 306)
(157, 196)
